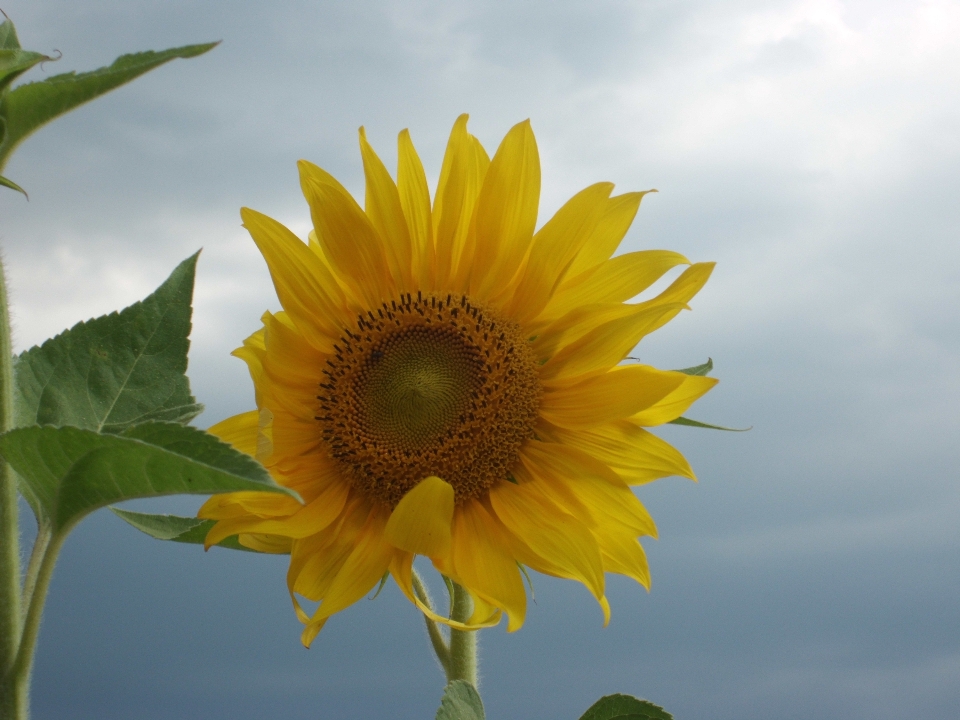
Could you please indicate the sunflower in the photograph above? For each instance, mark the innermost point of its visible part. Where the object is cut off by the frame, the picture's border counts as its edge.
(445, 380)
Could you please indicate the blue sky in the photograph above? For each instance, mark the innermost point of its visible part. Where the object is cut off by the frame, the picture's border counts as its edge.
(811, 147)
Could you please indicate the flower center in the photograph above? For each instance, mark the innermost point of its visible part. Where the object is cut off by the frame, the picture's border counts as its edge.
(429, 386)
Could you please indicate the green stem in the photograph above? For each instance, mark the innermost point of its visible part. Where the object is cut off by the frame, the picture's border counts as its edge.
(22, 666)
(10, 618)
(440, 646)
(33, 567)
(463, 643)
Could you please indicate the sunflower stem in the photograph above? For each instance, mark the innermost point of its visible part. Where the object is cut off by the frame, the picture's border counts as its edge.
(19, 677)
(440, 647)
(10, 612)
(463, 643)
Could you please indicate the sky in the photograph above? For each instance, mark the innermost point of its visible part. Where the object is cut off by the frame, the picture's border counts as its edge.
(810, 147)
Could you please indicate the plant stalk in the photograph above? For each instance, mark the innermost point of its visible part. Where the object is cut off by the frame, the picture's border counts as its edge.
(440, 647)
(463, 643)
(19, 679)
(33, 566)
(10, 611)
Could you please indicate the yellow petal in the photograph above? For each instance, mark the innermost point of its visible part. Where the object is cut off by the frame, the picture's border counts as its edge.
(385, 212)
(252, 353)
(363, 568)
(554, 247)
(506, 211)
(620, 393)
(315, 560)
(291, 367)
(574, 325)
(550, 532)
(349, 241)
(240, 431)
(608, 344)
(637, 455)
(608, 500)
(676, 403)
(272, 544)
(415, 202)
(251, 503)
(483, 612)
(623, 554)
(484, 564)
(684, 287)
(401, 568)
(464, 165)
(420, 523)
(617, 217)
(307, 520)
(312, 299)
(616, 280)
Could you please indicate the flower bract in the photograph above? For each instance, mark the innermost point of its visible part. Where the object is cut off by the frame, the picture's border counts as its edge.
(447, 380)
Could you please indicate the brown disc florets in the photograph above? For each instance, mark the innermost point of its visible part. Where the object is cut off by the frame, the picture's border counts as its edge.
(429, 385)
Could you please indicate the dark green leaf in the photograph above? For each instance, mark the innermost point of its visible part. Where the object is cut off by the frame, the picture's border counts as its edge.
(175, 528)
(68, 472)
(109, 373)
(32, 105)
(699, 369)
(460, 702)
(621, 706)
(696, 423)
(13, 186)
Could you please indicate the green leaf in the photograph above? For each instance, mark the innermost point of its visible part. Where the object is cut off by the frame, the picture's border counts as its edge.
(13, 186)
(8, 35)
(460, 702)
(28, 107)
(175, 528)
(109, 373)
(15, 62)
(68, 472)
(625, 706)
(698, 369)
(696, 423)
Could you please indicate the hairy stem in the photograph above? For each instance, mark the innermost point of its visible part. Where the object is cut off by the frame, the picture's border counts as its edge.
(22, 666)
(10, 618)
(463, 643)
(33, 567)
(440, 646)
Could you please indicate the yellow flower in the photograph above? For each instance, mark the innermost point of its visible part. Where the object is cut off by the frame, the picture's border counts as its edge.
(445, 381)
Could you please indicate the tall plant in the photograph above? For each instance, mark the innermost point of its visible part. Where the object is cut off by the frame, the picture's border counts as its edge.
(101, 412)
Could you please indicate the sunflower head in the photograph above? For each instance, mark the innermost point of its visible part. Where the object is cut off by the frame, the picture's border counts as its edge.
(443, 380)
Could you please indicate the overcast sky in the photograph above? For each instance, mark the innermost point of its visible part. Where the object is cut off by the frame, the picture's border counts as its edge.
(811, 147)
